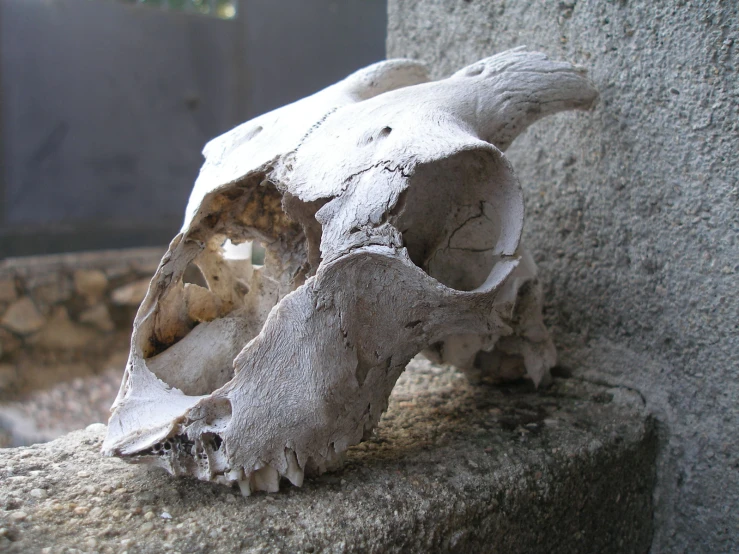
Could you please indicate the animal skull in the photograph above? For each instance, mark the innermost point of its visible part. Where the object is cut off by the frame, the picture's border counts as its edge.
(392, 223)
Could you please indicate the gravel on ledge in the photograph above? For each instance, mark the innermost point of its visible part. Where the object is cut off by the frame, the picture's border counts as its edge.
(452, 468)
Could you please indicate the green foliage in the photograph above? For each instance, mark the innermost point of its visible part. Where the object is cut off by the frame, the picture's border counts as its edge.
(223, 9)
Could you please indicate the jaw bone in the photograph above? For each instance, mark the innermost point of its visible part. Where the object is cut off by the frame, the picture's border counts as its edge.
(391, 221)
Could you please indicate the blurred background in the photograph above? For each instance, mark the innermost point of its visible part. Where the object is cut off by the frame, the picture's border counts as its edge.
(105, 105)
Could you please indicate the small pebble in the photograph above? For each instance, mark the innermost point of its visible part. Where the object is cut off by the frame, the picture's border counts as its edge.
(166, 515)
(148, 515)
(18, 516)
(83, 474)
(38, 493)
(81, 510)
(96, 511)
(146, 527)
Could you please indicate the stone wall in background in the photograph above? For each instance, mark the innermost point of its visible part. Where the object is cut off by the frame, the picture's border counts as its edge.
(633, 217)
(66, 315)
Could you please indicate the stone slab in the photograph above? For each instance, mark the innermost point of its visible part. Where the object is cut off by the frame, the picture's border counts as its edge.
(451, 468)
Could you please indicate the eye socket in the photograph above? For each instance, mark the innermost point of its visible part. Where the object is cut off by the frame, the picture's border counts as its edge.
(462, 216)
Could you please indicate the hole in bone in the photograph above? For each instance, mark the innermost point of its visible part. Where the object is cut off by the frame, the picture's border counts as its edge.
(258, 254)
(251, 250)
(459, 246)
(215, 319)
(304, 213)
(370, 136)
(194, 276)
(475, 70)
(233, 251)
(214, 439)
(218, 411)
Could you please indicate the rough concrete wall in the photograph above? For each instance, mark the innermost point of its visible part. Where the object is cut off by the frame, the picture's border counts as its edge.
(633, 217)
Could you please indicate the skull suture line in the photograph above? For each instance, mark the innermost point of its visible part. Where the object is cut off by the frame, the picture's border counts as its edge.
(391, 221)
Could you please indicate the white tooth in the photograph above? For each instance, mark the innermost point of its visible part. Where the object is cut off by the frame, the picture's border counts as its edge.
(266, 479)
(294, 472)
(235, 474)
(245, 487)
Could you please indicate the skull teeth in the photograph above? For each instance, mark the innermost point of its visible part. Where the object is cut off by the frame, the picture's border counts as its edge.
(266, 478)
(245, 487)
(294, 472)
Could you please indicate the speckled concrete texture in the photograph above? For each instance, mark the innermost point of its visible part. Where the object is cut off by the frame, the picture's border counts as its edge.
(633, 217)
(452, 468)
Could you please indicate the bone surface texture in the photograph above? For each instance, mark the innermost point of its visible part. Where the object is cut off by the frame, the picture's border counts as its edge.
(391, 221)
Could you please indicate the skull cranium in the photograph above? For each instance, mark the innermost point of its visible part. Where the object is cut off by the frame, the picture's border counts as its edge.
(391, 221)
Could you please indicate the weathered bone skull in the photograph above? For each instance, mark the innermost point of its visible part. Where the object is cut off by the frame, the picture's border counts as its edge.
(391, 221)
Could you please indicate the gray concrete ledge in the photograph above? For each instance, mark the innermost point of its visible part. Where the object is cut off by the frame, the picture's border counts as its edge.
(452, 468)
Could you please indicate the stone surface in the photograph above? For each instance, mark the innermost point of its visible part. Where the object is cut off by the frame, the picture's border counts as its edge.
(60, 333)
(451, 468)
(7, 376)
(90, 283)
(9, 343)
(131, 294)
(98, 316)
(632, 217)
(7, 290)
(53, 293)
(23, 317)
